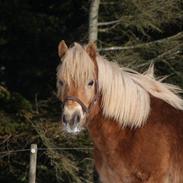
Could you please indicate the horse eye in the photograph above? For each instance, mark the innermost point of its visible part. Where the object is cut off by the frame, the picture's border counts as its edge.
(61, 83)
(91, 83)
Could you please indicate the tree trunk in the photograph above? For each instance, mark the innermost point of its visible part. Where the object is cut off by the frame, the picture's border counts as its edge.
(93, 20)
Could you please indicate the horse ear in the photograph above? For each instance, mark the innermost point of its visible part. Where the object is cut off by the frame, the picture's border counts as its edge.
(62, 48)
(91, 50)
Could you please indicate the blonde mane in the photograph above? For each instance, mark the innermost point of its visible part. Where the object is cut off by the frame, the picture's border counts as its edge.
(125, 93)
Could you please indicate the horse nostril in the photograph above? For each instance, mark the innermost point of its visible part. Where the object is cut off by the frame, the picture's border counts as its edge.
(64, 119)
(76, 118)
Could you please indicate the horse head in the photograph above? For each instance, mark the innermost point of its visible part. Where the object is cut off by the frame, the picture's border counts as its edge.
(77, 84)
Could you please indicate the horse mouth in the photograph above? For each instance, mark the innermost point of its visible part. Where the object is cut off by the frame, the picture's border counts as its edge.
(72, 129)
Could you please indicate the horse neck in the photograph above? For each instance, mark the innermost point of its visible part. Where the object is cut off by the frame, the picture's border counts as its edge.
(106, 133)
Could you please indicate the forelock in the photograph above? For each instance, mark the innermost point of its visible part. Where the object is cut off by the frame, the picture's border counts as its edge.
(77, 66)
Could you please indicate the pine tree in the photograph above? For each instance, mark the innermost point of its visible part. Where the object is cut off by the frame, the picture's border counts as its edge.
(138, 33)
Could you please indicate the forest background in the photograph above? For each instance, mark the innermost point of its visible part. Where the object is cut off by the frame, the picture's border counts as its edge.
(134, 33)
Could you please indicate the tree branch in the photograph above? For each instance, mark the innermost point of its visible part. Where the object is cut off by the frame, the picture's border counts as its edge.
(108, 28)
(173, 51)
(115, 48)
(109, 22)
(108, 3)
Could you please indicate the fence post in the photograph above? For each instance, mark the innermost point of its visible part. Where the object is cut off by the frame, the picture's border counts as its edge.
(33, 162)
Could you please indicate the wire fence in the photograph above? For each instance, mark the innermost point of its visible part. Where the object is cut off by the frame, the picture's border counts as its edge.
(45, 149)
(33, 156)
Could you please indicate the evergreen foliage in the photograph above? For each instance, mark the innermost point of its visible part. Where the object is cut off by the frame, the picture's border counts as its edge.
(143, 31)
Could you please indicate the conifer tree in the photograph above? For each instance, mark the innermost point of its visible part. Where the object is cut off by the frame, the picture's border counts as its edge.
(139, 33)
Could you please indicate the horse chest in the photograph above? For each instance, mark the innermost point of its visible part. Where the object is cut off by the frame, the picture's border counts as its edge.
(113, 155)
(112, 168)
(109, 159)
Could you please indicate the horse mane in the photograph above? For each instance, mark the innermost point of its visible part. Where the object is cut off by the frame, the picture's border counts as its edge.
(125, 92)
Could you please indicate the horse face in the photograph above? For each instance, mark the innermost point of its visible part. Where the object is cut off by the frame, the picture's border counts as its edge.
(77, 100)
(76, 83)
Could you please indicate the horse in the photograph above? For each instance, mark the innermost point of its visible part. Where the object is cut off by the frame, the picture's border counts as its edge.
(134, 119)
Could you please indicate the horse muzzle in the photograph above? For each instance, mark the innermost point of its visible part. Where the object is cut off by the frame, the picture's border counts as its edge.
(71, 119)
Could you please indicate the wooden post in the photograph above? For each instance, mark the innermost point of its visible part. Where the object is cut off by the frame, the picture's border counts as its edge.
(33, 162)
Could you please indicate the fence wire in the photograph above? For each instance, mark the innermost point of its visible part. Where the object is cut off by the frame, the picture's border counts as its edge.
(44, 149)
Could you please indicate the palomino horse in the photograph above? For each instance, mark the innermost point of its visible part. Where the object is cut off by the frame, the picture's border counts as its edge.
(135, 121)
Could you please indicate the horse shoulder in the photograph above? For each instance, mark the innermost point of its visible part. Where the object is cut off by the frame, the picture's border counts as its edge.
(152, 153)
